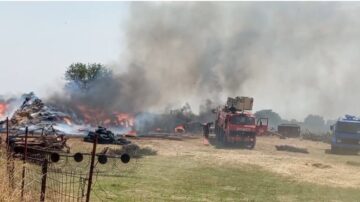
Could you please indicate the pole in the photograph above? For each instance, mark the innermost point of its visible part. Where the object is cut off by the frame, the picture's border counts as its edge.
(91, 168)
(44, 168)
(7, 135)
(24, 164)
(10, 162)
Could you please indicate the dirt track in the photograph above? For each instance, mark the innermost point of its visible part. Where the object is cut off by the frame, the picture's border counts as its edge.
(316, 167)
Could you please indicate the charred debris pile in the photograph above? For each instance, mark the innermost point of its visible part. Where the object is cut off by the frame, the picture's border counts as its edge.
(41, 118)
(30, 111)
(35, 114)
(40, 121)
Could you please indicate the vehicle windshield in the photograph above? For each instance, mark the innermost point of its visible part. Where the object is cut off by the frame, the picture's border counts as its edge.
(348, 127)
(241, 119)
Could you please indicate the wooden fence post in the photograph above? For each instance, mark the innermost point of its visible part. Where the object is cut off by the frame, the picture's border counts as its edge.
(24, 164)
(91, 172)
(44, 168)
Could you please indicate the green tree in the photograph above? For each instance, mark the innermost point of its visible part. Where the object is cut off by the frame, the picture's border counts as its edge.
(83, 75)
(315, 123)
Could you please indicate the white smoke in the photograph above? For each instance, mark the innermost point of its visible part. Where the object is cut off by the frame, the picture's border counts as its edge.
(296, 58)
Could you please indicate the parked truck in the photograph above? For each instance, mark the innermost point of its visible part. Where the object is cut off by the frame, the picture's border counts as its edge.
(235, 123)
(346, 135)
(289, 130)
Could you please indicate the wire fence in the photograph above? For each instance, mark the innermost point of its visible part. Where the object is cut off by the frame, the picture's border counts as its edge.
(35, 174)
(42, 180)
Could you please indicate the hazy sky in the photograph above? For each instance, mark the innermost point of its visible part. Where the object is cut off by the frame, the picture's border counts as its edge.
(38, 40)
(297, 58)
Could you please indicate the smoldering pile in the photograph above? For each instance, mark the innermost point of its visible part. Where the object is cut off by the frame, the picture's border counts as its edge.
(34, 114)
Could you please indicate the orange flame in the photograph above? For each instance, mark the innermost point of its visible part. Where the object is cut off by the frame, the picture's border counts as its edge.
(94, 116)
(179, 129)
(3, 108)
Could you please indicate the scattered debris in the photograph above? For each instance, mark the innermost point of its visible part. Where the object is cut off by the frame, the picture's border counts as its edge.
(320, 165)
(160, 135)
(353, 163)
(39, 143)
(106, 137)
(133, 150)
(291, 149)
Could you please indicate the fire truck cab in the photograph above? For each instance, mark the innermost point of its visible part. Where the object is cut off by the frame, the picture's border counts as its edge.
(235, 124)
(236, 127)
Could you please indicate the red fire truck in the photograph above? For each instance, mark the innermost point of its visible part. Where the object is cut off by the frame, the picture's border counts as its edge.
(235, 124)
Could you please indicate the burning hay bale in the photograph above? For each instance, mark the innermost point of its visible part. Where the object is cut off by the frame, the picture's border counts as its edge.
(291, 149)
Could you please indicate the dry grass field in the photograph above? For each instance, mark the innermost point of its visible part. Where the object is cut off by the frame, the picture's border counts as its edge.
(187, 170)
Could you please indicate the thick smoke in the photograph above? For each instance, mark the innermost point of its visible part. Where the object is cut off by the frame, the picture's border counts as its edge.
(296, 58)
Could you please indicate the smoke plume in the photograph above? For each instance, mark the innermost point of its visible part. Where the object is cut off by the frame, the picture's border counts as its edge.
(296, 58)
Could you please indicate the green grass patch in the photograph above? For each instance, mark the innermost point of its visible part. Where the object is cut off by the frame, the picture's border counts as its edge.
(159, 178)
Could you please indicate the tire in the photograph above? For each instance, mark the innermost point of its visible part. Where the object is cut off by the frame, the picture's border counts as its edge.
(223, 139)
(220, 139)
(216, 133)
(251, 145)
(334, 149)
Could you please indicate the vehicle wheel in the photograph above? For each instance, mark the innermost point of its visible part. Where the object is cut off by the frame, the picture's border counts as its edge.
(217, 134)
(334, 149)
(251, 145)
(220, 139)
(223, 139)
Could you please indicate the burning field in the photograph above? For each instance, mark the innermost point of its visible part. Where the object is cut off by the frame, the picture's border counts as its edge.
(165, 90)
(29, 110)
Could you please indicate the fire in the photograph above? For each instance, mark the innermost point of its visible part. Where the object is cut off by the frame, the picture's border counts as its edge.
(90, 116)
(119, 120)
(3, 108)
(125, 120)
(179, 129)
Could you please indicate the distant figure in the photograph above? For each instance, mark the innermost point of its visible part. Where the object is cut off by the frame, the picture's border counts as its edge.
(206, 129)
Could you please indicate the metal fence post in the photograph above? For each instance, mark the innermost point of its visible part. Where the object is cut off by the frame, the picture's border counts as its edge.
(9, 161)
(7, 135)
(44, 168)
(93, 153)
(24, 164)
